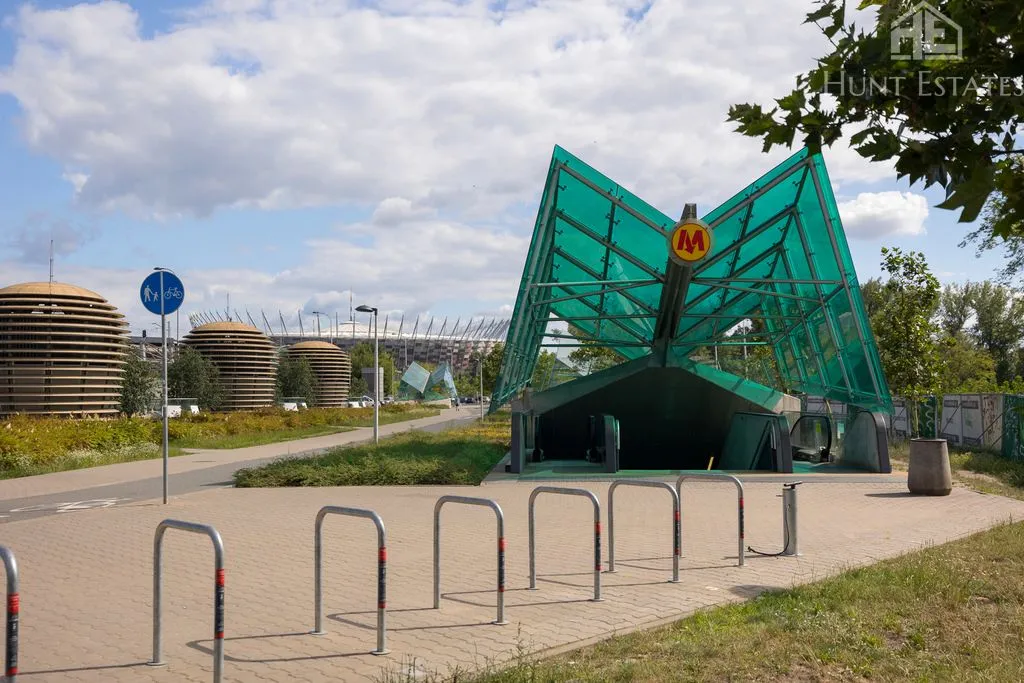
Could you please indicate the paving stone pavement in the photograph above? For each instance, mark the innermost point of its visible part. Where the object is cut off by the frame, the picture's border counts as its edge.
(86, 578)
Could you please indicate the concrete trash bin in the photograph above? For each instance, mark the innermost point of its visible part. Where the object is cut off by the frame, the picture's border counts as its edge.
(929, 473)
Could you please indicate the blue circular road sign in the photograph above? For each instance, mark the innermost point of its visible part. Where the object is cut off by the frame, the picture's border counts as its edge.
(162, 288)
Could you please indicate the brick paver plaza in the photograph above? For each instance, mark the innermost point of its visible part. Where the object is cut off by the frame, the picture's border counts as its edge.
(86, 577)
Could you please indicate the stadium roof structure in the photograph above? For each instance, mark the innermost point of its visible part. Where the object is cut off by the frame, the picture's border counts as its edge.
(598, 262)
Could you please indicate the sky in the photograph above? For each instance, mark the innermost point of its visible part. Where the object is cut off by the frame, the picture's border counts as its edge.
(296, 155)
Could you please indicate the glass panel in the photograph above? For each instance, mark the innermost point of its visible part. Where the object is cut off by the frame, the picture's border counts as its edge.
(778, 249)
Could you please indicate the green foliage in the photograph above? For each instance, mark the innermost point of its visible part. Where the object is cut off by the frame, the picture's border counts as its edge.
(139, 385)
(965, 368)
(955, 309)
(591, 357)
(959, 137)
(362, 357)
(999, 324)
(873, 294)
(29, 445)
(907, 337)
(542, 378)
(192, 375)
(467, 384)
(454, 457)
(492, 367)
(295, 377)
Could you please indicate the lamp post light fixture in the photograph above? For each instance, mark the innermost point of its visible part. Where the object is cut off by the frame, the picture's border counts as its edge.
(376, 373)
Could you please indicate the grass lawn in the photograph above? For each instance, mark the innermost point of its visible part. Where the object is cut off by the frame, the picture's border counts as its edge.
(456, 456)
(949, 613)
(257, 438)
(243, 432)
(82, 458)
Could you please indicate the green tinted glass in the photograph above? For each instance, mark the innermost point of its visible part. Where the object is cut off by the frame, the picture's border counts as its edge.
(778, 283)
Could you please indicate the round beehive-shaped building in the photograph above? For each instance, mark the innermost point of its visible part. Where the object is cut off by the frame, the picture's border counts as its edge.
(245, 358)
(332, 367)
(62, 351)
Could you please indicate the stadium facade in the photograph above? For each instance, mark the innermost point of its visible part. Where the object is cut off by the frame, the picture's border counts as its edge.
(432, 340)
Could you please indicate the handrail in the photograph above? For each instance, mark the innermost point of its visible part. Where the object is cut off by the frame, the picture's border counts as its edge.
(382, 570)
(676, 517)
(484, 502)
(716, 477)
(13, 611)
(218, 590)
(597, 533)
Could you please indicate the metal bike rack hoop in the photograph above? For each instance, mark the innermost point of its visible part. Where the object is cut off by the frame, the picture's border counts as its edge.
(597, 533)
(13, 610)
(382, 570)
(218, 590)
(676, 517)
(483, 502)
(716, 477)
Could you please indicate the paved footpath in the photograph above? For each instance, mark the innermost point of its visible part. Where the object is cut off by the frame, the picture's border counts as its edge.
(110, 485)
(87, 577)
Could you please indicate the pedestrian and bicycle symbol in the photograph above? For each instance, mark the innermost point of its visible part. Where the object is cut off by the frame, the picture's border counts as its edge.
(162, 292)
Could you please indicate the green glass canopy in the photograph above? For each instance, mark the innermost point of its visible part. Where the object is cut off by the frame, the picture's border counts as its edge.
(780, 264)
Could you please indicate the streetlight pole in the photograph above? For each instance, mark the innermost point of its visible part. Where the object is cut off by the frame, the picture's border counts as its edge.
(480, 364)
(376, 374)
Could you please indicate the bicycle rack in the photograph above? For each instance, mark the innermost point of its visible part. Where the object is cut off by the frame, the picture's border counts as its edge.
(484, 502)
(716, 477)
(218, 590)
(597, 534)
(676, 540)
(382, 571)
(13, 610)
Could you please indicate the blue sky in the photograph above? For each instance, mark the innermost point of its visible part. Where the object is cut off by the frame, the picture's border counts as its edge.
(363, 151)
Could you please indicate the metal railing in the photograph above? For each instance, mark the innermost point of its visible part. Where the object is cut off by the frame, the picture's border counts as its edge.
(597, 533)
(382, 570)
(739, 509)
(676, 517)
(218, 590)
(13, 610)
(484, 502)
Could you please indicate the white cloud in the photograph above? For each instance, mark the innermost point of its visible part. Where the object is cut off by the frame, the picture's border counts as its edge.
(873, 215)
(419, 264)
(32, 240)
(450, 105)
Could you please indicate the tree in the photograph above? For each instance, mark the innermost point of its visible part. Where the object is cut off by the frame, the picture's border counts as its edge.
(362, 357)
(138, 384)
(467, 384)
(999, 325)
(492, 366)
(295, 378)
(591, 357)
(541, 379)
(873, 294)
(951, 122)
(954, 308)
(907, 337)
(193, 375)
(966, 368)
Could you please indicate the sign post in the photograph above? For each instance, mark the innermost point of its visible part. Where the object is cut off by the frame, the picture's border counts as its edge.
(162, 293)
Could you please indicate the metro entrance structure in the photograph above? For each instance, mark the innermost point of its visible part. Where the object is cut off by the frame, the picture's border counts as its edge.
(778, 281)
